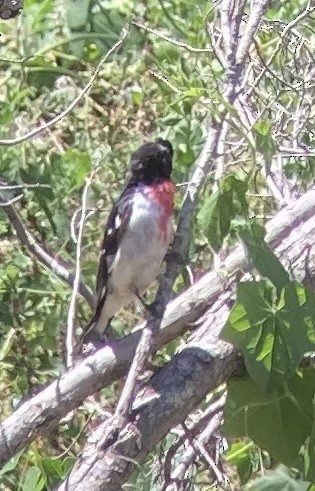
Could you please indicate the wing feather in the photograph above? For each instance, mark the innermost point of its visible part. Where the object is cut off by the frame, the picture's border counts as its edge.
(114, 231)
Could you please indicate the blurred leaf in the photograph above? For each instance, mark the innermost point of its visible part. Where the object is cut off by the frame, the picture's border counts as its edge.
(311, 450)
(53, 467)
(6, 344)
(11, 465)
(77, 165)
(277, 480)
(33, 480)
(221, 207)
(68, 463)
(137, 95)
(278, 423)
(239, 454)
(77, 13)
(261, 256)
(264, 141)
(193, 92)
(272, 333)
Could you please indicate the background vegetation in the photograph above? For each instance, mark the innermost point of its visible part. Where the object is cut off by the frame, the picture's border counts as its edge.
(154, 87)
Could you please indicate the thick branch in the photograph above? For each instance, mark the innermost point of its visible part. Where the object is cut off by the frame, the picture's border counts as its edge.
(182, 239)
(173, 393)
(294, 225)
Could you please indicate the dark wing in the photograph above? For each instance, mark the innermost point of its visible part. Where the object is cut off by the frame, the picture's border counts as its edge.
(116, 225)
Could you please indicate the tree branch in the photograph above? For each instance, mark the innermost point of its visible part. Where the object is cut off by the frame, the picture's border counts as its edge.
(44, 257)
(172, 394)
(291, 232)
(59, 117)
(76, 282)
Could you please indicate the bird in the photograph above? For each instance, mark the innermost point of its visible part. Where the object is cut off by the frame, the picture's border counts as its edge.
(137, 236)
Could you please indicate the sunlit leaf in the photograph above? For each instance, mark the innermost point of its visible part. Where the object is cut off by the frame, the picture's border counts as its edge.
(272, 333)
(278, 423)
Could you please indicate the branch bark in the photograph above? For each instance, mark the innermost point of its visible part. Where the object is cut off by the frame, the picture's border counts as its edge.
(291, 232)
(176, 390)
(172, 394)
(235, 69)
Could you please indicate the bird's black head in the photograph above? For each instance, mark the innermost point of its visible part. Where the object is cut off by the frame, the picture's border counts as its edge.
(152, 161)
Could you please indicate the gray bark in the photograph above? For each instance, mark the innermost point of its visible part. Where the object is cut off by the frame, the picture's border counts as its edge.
(291, 232)
(173, 393)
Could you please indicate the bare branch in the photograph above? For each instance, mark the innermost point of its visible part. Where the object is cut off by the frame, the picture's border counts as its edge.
(9, 187)
(59, 117)
(291, 232)
(255, 16)
(43, 256)
(197, 446)
(171, 40)
(204, 421)
(167, 400)
(76, 282)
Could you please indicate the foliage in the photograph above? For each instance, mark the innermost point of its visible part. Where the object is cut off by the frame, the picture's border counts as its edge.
(151, 88)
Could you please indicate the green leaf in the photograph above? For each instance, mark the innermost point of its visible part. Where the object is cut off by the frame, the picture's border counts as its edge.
(272, 333)
(6, 343)
(77, 13)
(78, 165)
(53, 467)
(239, 455)
(261, 256)
(193, 92)
(137, 95)
(206, 214)
(311, 450)
(278, 423)
(277, 480)
(33, 480)
(12, 464)
(264, 141)
(221, 207)
(68, 463)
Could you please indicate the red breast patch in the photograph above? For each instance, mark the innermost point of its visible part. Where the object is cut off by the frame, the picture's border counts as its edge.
(163, 194)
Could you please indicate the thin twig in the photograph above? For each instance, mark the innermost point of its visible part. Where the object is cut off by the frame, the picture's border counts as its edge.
(305, 12)
(171, 40)
(43, 256)
(76, 282)
(199, 424)
(165, 81)
(5, 187)
(36, 131)
(197, 445)
(10, 202)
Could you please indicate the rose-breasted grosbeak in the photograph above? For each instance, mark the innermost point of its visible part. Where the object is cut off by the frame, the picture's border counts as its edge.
(137, 235)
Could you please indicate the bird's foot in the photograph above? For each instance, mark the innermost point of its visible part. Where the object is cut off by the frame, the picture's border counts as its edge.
(150, 308)
(175, 257)
(90, 347)
(93, 342)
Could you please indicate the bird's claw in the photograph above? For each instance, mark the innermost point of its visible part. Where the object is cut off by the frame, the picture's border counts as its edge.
(175, 257)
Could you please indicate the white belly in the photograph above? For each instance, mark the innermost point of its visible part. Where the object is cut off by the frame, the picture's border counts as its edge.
(142, 249)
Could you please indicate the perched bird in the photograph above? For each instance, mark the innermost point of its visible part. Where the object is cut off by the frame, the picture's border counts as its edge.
(137, 235)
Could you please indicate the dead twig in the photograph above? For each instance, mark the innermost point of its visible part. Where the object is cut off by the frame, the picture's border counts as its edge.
(42, 255)
(76, 282)
(59, 117)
